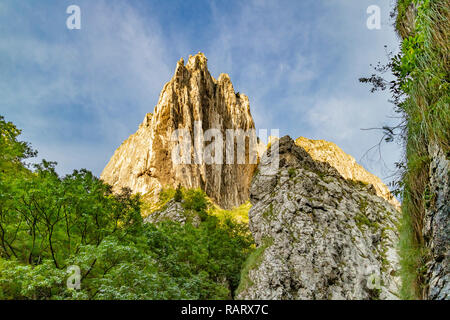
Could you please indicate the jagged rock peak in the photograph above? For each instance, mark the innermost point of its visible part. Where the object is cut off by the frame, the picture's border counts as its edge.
(143, 162)
(318, 235)
(198, 61)
(345, 164)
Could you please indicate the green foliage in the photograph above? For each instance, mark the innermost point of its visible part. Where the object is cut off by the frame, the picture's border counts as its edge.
(48, 223)
(422, 70)
(13, 152)
(44, 281)
(217, 249)
(401, 7)
(178, 194)
(421, 95)
(46, 217)
(252, 262)
(238, 214)
(423, 73)
(165, 195)
(411, 259)
(195, 199)
(292, 172)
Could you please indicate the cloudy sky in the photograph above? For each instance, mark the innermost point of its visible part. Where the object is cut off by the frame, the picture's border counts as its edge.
(77, 94)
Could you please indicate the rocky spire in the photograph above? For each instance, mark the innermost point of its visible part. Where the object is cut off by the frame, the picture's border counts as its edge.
(143, 162)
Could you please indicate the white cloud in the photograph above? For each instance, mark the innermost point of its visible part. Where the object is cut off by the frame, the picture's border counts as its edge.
(297, 61)
(300, 69)
(111, 70)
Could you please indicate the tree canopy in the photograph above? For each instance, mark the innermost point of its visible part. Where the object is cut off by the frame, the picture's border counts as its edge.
(49, 223)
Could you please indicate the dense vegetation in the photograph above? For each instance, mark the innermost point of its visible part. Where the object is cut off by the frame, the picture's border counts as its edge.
(49, 223)
(420, 93)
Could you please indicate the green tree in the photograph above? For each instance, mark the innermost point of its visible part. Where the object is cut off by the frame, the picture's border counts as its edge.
(48, 223)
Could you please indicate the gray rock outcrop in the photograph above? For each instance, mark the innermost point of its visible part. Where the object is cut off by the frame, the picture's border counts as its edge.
(173, 211)
(346, 165)
(436, 228)
(318, 235)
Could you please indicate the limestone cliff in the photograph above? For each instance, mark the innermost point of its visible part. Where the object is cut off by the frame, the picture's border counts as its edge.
(319, 235)
(143, 162)
(345, 164)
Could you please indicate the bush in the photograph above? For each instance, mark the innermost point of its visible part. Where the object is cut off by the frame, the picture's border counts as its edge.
(178, 194)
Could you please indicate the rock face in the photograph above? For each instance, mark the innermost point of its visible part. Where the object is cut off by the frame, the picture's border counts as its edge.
(319, 236)
(144, 163)
(437, 225)
(173, 211)
(345, 164)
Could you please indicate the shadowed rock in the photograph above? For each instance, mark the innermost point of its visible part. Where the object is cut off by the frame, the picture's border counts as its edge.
(319, 235)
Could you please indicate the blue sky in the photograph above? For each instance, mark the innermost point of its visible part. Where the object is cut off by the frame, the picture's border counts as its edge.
(77, 94)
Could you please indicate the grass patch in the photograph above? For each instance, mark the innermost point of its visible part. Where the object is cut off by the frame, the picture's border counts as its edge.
(238, 214)
(252, 262)
(292, 173)
(412, 260)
